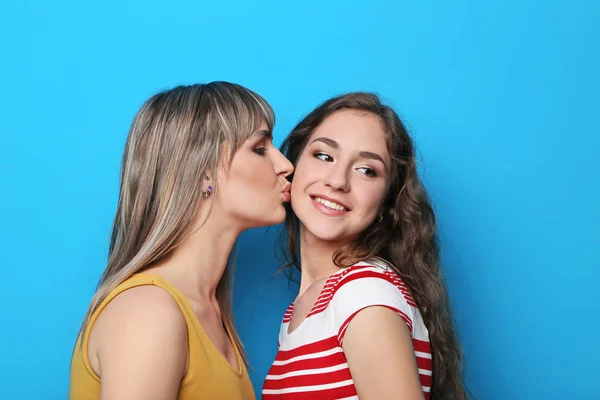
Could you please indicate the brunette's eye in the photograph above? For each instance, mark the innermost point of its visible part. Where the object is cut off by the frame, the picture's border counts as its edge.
(368, 171)
(323, 156)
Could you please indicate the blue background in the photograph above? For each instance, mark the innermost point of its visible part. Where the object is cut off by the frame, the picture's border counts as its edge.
(501, 97)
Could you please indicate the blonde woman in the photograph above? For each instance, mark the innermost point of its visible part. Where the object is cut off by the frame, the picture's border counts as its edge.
(199, 168)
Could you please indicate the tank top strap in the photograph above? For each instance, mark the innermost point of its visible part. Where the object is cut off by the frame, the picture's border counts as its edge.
(142, 279)
(136, 280)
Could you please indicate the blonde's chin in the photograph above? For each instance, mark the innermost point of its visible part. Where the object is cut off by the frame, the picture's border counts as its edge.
(274, 217)
(278, 216)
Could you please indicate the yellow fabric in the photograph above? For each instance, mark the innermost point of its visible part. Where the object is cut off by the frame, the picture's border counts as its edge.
(209, 375)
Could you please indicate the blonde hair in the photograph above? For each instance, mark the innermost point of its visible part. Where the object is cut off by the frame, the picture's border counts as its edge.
(176, 137)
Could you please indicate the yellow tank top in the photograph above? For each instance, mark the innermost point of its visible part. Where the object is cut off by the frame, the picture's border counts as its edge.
(208, 376)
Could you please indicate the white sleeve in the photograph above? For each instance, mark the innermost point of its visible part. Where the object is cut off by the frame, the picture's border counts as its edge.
(360, 292)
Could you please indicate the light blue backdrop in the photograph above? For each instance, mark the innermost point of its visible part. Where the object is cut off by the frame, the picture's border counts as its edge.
(502, 98)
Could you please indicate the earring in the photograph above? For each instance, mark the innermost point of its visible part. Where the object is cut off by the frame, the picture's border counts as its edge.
(380, 218)
(208, 191)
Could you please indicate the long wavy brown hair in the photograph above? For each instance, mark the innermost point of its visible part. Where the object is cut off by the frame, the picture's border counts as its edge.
(405, 236)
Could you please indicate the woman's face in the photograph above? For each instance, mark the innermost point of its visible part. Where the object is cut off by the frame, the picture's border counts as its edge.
(254, 187)
(341, 177)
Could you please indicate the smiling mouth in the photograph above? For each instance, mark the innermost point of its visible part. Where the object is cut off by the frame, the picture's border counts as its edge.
(329, 204)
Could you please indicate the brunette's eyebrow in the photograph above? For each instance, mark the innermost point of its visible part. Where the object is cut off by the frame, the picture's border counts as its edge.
(327, 141)
(372, 156)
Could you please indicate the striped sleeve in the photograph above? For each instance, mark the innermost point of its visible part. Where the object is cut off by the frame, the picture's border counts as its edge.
(368, 287)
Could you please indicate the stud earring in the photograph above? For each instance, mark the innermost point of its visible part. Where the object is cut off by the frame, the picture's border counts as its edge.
(208, 191)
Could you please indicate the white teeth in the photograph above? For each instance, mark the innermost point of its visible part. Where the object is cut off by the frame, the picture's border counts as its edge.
(330, 204)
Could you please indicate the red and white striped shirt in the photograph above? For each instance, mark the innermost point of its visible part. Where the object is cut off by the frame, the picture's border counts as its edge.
(311, 364)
